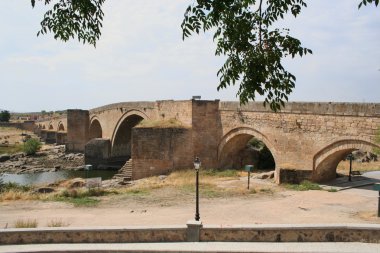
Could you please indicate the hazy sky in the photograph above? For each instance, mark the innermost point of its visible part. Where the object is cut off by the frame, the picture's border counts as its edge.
(141, 57)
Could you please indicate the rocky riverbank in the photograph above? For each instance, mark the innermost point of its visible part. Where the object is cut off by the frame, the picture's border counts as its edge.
(51, 158)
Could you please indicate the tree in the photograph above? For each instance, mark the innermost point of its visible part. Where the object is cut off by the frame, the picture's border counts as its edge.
(5, 116)
(245, 33)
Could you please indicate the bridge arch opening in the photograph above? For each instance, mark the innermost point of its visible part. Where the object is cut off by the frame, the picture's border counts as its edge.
(122, 141)
(245, 146)
(61, 127)
(51, 127)
(326, 161)
(95, 130)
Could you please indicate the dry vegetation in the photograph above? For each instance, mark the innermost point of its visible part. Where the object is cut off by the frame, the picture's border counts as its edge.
(11, 140)
(170, 123)
(344, 166)
(57, 223)
(164, 189)
(12, 135)
(26, 223)
(213, 184)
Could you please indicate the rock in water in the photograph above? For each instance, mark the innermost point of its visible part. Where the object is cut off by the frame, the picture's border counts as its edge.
(4, 157)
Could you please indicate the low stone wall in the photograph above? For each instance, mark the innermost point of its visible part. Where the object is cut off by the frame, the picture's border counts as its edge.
(91, 235)
(293, 233)
(293, 176)
(315, 108)
(366, 233)
(26, 125)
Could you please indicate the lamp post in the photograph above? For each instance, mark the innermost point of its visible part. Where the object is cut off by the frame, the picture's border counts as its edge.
(349, 174)
(197, 165)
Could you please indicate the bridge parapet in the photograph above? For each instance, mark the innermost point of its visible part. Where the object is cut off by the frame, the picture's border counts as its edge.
(315, 108)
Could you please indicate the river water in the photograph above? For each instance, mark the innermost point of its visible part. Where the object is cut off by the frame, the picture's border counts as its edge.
(51, 177)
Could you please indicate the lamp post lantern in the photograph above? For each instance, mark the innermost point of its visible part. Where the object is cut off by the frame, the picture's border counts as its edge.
(349, 174)
(197, 165)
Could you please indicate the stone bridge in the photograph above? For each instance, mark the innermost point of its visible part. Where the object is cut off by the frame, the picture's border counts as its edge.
(53, 130)
(307, 140)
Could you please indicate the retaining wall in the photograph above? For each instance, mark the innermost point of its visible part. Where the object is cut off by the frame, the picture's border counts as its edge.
(366, 233)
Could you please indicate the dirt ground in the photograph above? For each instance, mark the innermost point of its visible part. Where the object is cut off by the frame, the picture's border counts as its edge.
(166, 206)
(12, 135)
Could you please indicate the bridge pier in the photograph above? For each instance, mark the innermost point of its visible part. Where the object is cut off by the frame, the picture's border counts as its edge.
(77, 130)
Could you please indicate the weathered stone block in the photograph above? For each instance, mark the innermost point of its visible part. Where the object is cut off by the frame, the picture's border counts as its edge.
(293, 176)
(97, 151)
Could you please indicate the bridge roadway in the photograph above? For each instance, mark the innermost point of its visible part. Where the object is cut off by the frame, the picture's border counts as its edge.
(263, 247)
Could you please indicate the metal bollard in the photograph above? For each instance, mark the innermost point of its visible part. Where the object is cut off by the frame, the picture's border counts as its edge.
(249, 169)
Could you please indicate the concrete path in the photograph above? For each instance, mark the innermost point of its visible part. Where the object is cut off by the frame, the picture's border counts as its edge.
(342, 183)
(198, 247)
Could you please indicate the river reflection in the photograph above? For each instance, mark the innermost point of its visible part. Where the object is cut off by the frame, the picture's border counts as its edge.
(51, 177)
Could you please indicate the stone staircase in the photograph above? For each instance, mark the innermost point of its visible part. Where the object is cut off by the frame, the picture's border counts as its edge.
(125, 173)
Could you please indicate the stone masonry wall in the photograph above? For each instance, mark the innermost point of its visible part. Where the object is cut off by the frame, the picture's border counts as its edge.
(302, 137)
(296, 136)
(369, 233)
(111, 116)
(158, 151)
(207, 131)
(77, 130)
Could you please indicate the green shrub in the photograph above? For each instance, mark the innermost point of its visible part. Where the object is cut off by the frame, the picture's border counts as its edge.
(31, 146)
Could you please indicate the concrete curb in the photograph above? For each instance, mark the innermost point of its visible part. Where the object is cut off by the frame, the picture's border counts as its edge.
(198, 247)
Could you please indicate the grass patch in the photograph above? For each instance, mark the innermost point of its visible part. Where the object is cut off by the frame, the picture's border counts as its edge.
(6, 187)
(212, 184)
(79, 202)
(332, 190)
(205, 190)
(57, 223)
(81, 197)
(266, 190)
(170, 123)
(220, 173)
(137, 192)
(210, 191)
(303, 186)
(17, 195)
(13, 191)
(26, 223)
(11, 149)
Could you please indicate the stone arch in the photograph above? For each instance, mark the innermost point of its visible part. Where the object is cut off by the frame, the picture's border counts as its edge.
(236, 139)
(327, 159)
(122, 134)
(51, 127)
(43, 127)
(61, 127)
(96, 130)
